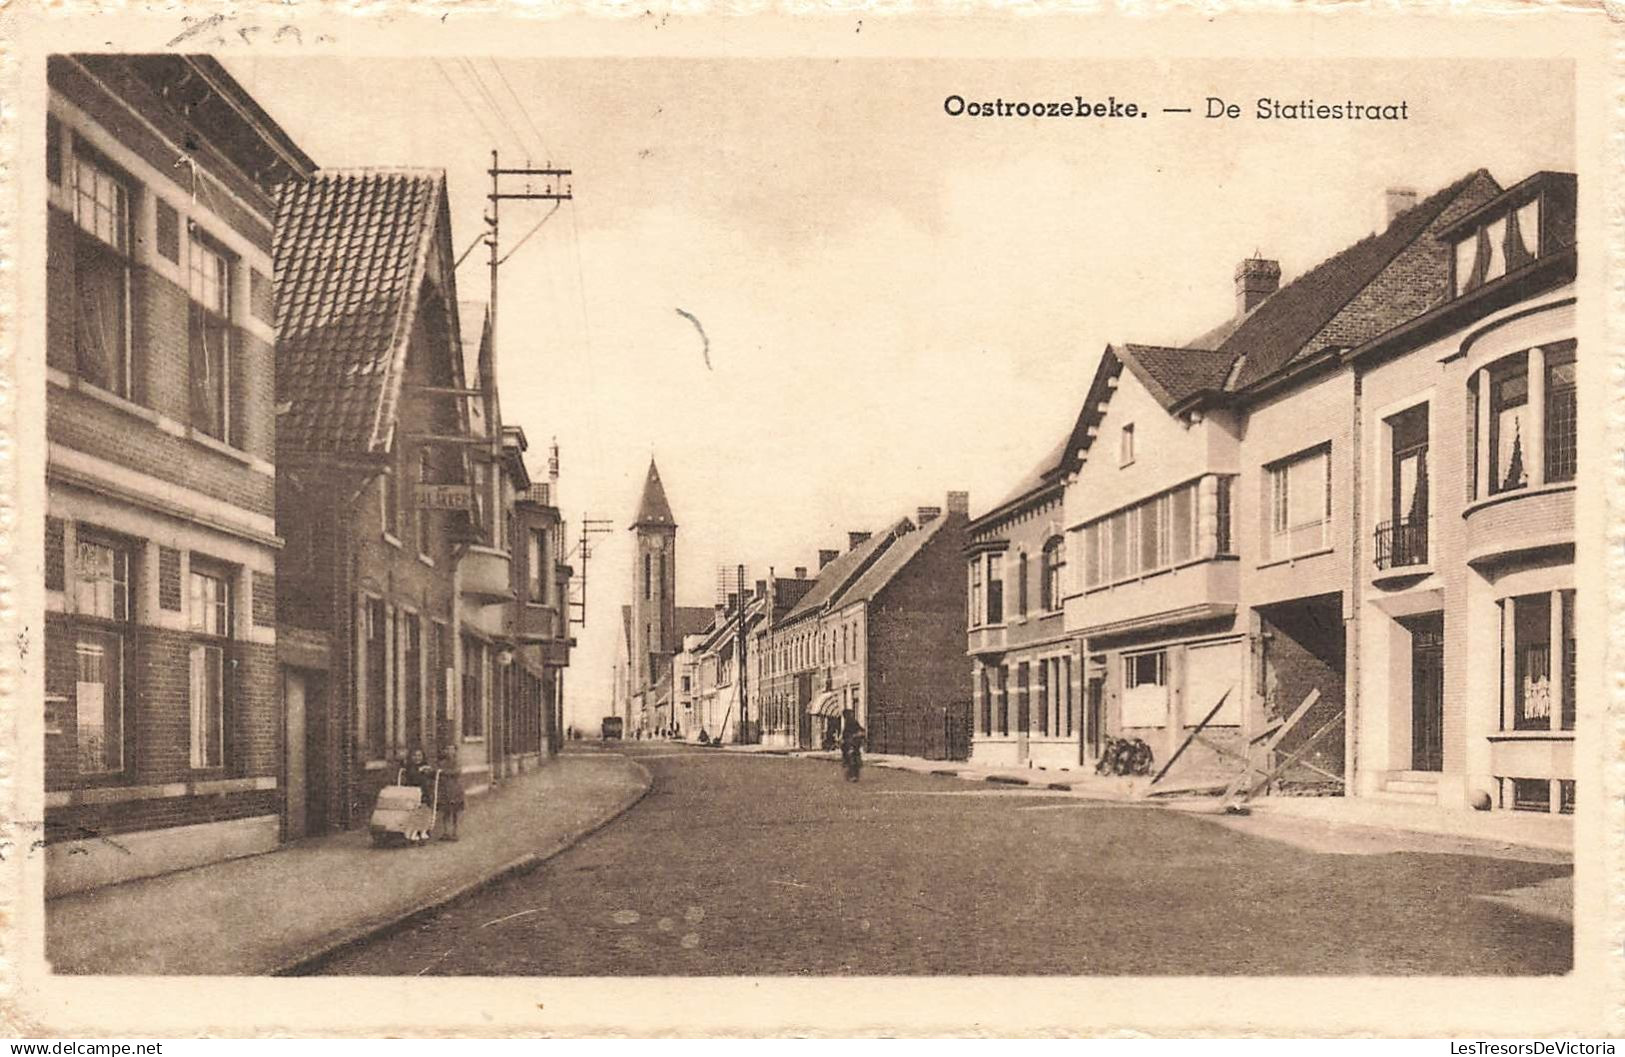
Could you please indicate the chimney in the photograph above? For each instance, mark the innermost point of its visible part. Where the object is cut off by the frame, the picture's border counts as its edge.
(855, 538)
(1256, 279)
(825, 557)
(926, 514)
(733, 601)
(761, 588)
(801, 572)
(1395, 201)
(959, 503)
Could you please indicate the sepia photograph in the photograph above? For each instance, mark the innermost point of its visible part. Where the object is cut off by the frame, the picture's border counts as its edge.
(684, 516)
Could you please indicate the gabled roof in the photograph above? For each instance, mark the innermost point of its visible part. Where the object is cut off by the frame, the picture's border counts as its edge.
(834, 577)
(351, 251)
(1171, 375)
(691, 620)
(653, 509)
(1272, 334)
(894, 560)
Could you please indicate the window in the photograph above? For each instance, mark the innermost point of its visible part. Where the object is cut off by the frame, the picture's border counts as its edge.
(1043, 697)
(208, 281)
(209, 616)
(535, 552)
(1570, 658)
(99, 701)
(101, 208)
(411, 729)
(476, 677)
(1154, 534)
(1502, 245)
(1021, 584)
(1224, 484)
(1509, 411)
(1004, 699)
(102, 581)
(1402, 539)
(376, 672)
(986, 684)
(648, 577)
(1531, 794)
(1125, 445)
(995, 589)
(1300, 505)
(1071, 704)
(389, 502)
(1145, 690)
(1054, 561)
(1560, 413)
(422, 513)
(976, 591)
(1532, 662)
(53, 149)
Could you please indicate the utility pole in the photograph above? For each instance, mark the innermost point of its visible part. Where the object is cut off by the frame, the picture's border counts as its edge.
(744, 712)
(590, 527)
(497, 197)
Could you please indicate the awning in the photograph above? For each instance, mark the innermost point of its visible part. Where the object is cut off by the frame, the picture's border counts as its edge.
(827, 705)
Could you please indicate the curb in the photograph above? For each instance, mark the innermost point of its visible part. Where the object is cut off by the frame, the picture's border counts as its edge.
(309, 963)
(1005, 779)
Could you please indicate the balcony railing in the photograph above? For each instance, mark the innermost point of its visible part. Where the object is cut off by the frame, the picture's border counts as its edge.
(1402, 543)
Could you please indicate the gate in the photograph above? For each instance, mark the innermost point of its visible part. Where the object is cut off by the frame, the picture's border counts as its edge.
(934, 732)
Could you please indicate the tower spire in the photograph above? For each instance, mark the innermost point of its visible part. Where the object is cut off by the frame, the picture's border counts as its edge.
(653, 508)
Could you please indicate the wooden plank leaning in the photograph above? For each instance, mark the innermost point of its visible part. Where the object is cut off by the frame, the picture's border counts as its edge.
(1269, 747)
(1192, 736)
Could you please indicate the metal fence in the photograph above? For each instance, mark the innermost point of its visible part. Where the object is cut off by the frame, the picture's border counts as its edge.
(932, 732)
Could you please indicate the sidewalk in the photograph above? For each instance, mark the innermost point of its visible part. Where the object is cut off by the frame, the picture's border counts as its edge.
(1518, 829)
(269, 913)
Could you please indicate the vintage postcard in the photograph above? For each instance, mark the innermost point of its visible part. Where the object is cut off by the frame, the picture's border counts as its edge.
(933, 523)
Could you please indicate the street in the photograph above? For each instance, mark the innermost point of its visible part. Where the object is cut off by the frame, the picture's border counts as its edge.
(757, 864)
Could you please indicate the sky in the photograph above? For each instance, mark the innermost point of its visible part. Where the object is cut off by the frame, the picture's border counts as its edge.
(898, 303)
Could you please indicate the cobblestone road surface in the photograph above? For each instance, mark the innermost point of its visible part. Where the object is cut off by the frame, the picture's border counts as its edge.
(752, 864)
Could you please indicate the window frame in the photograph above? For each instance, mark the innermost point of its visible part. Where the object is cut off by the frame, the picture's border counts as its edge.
(1052, 566)
(89, 239)
(212, 630)
(116, 628)
(203, 319)
(1282, 525)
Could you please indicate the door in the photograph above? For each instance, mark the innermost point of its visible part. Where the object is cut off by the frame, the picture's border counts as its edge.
(1427, 693)
(1094, 702)
(318, 779)
(294, 808)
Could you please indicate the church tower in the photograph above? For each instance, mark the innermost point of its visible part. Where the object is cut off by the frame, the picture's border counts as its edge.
(654, 585)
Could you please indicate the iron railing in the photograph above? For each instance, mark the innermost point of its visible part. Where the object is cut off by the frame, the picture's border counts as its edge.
(1402, 543)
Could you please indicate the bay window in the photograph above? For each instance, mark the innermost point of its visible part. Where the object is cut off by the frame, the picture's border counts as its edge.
(101, 263)
(1538, 656)
(995, 589)
(1522, 422)
(1560, 413)
(208, 282)
(1158, 533)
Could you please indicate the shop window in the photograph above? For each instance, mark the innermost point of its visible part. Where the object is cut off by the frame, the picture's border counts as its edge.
(208, 282)
(1570, 657)
(1566, 796)
(101, 207)
(1300, 505)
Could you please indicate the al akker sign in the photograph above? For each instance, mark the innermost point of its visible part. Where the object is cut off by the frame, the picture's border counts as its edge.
(445, 497)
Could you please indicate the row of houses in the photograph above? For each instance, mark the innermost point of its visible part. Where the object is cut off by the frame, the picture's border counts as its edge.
(288, 534)
(1335, 531)
(878, 630)
(1340, 522)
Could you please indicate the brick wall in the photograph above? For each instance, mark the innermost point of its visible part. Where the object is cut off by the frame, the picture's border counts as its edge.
(264, 599)
(916, 636)
(169, 578)
(55, 559)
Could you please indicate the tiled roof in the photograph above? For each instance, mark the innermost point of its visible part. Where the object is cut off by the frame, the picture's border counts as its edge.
(835, 576)
(1041, 474)
(652, 507)
(350, 251)
(691, 620)
(1171, 375)
(892, 562)
(1277, 330)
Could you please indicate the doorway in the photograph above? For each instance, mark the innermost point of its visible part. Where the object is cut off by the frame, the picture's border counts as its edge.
(1427, 692)
(1094, 703)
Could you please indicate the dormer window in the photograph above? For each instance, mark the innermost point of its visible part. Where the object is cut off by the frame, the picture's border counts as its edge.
(1532, 220)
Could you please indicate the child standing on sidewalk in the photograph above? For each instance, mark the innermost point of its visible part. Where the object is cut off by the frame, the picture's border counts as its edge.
(451, 794)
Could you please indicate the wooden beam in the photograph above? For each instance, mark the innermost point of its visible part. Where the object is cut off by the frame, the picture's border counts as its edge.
(1192, 736)
(1269, 744)
(1293, 757)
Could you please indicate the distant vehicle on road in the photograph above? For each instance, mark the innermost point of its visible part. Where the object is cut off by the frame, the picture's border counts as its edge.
(612, 727)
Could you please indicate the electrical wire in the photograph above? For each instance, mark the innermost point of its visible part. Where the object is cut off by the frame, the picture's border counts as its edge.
(545, 218)
(464, 100)
(491, 101)
(541, 140)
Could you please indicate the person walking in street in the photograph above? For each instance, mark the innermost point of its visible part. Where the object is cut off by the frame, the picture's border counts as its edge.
(851, 745)
(451, 794)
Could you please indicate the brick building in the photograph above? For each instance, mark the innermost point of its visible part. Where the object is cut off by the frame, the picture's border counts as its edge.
(1467, 424)
(399, 499)
(163, 744)
(880, 632)
(1213, 513)
(1025, 669)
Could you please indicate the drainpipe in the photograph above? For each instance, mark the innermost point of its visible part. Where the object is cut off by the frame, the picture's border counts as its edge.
(1351, 692)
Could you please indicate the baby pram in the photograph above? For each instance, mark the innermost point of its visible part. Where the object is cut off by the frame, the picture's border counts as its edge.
(400, 813)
